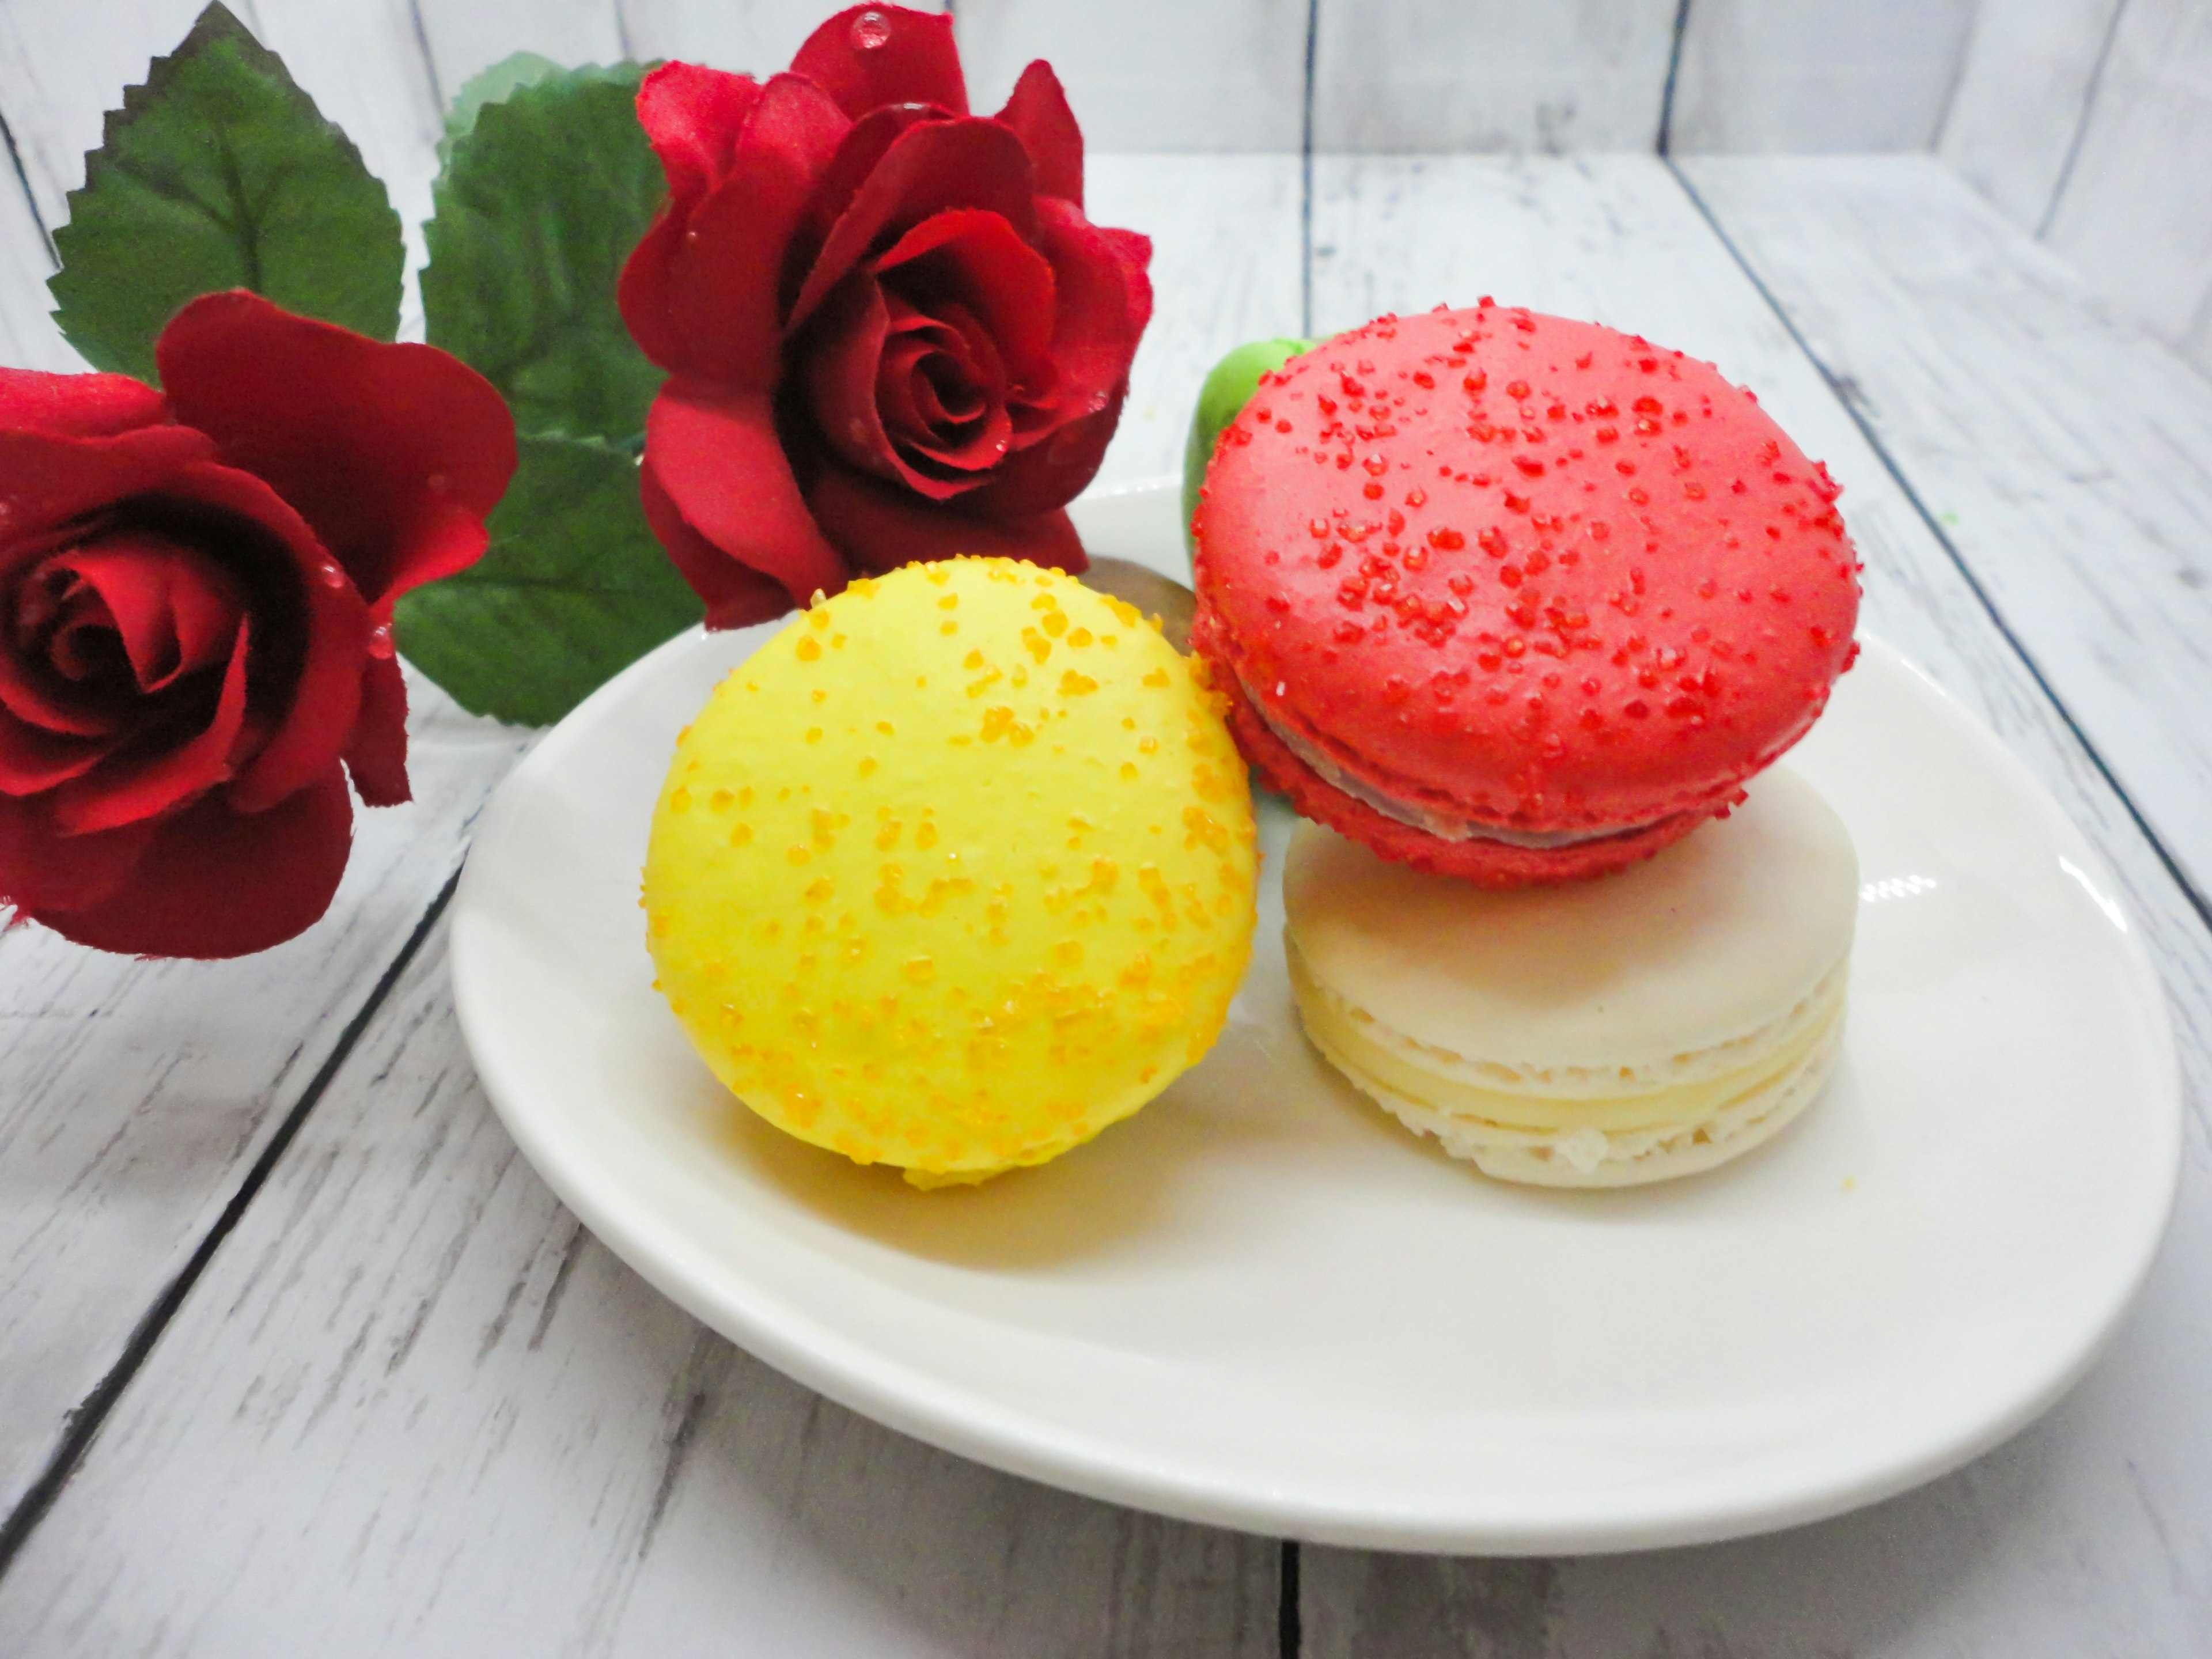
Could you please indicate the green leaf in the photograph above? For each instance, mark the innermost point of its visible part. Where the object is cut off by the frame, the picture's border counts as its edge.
(495, 85)
(573, 589)
(219, 172)
(541, 201)
(1228, 388)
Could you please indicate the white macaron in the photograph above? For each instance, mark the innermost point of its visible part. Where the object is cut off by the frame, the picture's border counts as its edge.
(1653, 1023)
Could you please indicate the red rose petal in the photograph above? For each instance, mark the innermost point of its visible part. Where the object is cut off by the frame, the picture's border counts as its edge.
(314, 723)
(211, 883)
(130, 789)
(975, 258)
(175, 609)
(1051, 473)
(692, 116)
(43, 871)
(363, 439)
(701, 293)
(717, 457)
(33, 759)
(46, 481)
(377, 757)
(735, 594)
(1105, 300)
(33, 694)
(869, 56)
(879, 526)
(927, 169)
(1038, 114)
(77, 405)
(858, 152)
(845, 384)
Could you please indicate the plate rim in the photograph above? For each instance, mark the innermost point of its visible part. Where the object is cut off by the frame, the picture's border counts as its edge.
(967, 1422)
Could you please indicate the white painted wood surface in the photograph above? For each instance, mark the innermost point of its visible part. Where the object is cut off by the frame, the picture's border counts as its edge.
(134, 1096)
(1490, 75)
(2136, 213)
(1152, 75)
(2023, 91)
(414, 1408)
(28, 338)
(1959, 339)
(1225, 270)
(746, 37)
(1784, 76)
(2085, 1535)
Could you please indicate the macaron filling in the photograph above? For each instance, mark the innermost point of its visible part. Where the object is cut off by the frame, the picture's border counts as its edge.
(1420, 815)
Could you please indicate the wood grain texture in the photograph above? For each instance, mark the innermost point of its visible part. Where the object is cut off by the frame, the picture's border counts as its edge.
(413, 1407)
(1490, 75)
(2086, 1535)
(2136, 213)
(747, 37)
(462, 39)
(2023, 91)
(1225, 255)
(28, 338)
(1768, 76)
(134, 1096)
(2069, 456)
(62, 68)
(1152, 75)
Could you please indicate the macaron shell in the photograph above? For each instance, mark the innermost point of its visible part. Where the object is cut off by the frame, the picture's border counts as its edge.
(1492, 863)
(1710, 943)
(1548, 575)
(958, 870)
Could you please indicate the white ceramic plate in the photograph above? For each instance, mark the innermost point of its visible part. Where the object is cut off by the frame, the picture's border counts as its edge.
(1262, 1304)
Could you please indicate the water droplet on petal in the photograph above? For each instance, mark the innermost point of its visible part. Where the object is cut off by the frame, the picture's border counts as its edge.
(379, 640)
(871, 31)
(332, 576)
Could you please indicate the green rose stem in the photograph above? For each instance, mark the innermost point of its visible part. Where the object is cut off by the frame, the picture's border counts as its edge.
(1227, 389)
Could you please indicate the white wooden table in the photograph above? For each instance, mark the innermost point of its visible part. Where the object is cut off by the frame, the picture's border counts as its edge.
(297, 1355)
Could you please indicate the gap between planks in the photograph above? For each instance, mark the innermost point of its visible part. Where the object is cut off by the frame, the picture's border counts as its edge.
(84, 1422)
(1897, 471)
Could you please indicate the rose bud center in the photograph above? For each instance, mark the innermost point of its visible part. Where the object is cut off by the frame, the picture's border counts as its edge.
(123, 641)
(932, 361)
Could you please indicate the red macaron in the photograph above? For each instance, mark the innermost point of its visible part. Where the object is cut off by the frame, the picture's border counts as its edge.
(1515, 599)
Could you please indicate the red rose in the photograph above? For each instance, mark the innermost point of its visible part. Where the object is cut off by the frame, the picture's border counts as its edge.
(890, 331)
(195, 600)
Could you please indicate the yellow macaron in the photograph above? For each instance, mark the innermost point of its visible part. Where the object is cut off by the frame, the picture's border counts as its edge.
(958, 870)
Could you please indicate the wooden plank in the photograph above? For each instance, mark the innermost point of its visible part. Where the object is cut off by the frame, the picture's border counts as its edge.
(2136, 212)
(414, 1405)
(465, 36)
(2087, 1534)
(1225, 254)
(1490, 75)
(135, 1096)
(28, 338)
(2023, 91)
(1153, 74)
(1768, 76)
(749, 37)
(59, 77)
(2069, 456)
